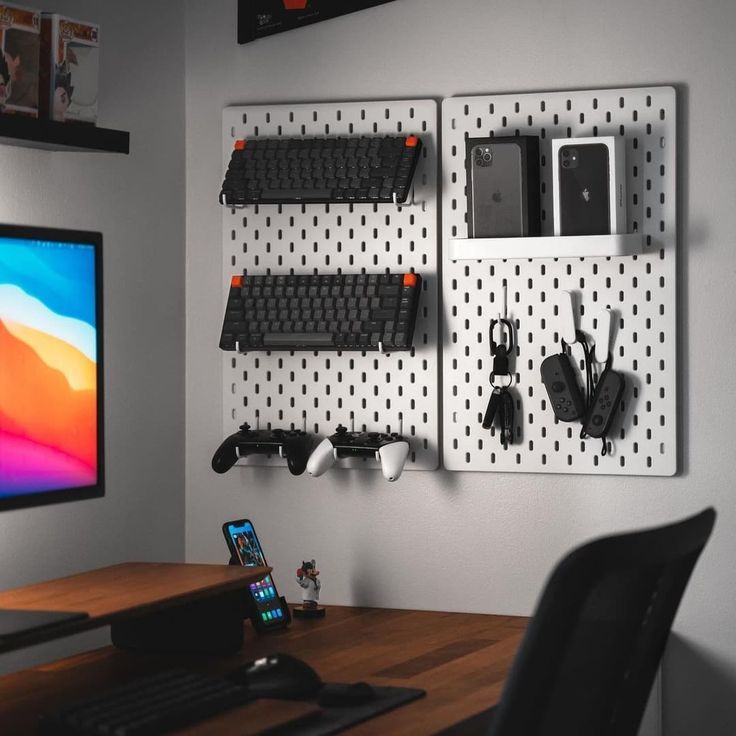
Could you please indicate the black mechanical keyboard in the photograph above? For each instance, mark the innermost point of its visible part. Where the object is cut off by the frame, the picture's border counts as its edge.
(321, 312)
(152, 705)
(303, 170)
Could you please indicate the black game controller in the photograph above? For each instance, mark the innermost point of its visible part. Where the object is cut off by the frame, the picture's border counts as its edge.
(562, 386)
(291, 444)
(605, 403)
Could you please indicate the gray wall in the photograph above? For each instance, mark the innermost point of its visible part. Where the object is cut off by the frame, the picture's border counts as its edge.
(485, 542)
(137, 202)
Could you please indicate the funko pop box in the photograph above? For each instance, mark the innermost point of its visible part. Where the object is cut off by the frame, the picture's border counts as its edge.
(19, 49)
(69, 69)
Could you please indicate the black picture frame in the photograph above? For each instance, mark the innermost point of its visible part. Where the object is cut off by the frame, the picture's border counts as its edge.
(261, 18)
(85, 237)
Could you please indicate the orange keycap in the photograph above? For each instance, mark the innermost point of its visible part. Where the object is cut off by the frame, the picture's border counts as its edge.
(411, 142)
(236, 282)
(240, 144)
(410, 279)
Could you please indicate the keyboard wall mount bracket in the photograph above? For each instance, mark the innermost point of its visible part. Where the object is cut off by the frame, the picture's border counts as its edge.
(410, 202)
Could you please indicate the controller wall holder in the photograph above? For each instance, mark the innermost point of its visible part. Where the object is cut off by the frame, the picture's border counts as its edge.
(634, 275)
(315, 391)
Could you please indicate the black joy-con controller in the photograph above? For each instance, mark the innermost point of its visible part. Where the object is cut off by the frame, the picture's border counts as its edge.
(562, 386)
(605, 403)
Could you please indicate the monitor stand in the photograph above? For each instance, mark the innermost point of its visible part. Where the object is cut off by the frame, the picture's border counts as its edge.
(149, 606)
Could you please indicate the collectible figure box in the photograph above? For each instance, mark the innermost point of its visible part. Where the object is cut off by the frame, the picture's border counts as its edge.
(19, 45)
(69, 69)
(259, 18)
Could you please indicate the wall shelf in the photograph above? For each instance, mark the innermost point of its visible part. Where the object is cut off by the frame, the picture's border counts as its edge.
(50, 135)
(564, 246)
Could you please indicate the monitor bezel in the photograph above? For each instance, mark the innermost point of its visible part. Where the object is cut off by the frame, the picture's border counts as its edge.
(84, 237)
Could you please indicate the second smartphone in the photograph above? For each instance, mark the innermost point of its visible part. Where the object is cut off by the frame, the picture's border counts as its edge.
(244, 546)
(503, 187)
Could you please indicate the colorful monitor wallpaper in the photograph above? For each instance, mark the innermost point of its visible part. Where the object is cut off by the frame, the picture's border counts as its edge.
(48, 367)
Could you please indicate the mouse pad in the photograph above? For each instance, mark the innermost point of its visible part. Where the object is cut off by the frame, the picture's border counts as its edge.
(336, 719)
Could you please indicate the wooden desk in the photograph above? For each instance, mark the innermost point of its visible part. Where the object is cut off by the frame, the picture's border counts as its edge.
(460, 659)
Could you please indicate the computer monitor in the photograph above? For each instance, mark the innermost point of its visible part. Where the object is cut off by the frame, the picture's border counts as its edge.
(51, 398)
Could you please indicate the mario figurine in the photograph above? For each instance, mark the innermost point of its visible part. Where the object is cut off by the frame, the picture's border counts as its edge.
(308, 578)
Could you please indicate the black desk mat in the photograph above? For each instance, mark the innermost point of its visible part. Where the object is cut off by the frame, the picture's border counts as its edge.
(336, 719)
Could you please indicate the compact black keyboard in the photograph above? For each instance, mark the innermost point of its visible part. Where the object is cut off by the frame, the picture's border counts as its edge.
(374, 311)
(303, 170)
(149, 706)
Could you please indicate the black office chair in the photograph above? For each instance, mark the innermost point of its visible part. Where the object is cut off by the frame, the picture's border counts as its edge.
(589, 657)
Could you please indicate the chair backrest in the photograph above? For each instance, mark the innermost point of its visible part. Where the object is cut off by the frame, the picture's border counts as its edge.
(589, 657)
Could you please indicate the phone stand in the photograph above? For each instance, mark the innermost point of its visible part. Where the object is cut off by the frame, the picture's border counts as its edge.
(309, 612)
(249, 609)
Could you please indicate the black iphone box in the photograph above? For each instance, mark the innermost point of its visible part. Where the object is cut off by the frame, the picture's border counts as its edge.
(503, 186)
(589, 185)
(259, 18)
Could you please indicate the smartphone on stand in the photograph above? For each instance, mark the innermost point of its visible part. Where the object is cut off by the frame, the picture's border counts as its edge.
(269, 612)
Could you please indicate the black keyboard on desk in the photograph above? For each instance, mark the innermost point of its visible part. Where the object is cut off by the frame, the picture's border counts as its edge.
(147, 707)
(374, 311)
(321, 170)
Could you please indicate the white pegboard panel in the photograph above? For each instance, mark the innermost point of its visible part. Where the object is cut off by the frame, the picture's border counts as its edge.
(317, 391)
(640, 289)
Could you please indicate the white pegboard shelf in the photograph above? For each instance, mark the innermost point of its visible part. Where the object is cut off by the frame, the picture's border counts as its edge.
(562, 246)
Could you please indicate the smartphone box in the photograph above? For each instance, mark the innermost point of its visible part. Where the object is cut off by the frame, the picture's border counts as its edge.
(589, 186)
(69, 69)
(503, 186)
(19, 48)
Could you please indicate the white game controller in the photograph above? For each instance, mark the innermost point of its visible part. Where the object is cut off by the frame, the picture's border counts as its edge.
(391, 450)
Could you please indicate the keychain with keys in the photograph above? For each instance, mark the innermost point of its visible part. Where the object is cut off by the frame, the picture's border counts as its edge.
(501, 403)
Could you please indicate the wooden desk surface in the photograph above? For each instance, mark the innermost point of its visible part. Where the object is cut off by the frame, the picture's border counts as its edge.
(460, 659)
(109, 594)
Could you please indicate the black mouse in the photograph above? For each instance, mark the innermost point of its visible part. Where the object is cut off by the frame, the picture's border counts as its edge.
(278, 676)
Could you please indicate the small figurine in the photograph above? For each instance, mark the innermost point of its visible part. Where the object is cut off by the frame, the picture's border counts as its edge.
(307, 577)
(63, 90)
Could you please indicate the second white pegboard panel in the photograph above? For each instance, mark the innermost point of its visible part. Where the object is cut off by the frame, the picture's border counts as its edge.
(640, 290)
(318, 391)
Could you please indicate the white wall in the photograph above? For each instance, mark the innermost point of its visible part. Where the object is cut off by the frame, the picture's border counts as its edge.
(137, 202)
(485, 542)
